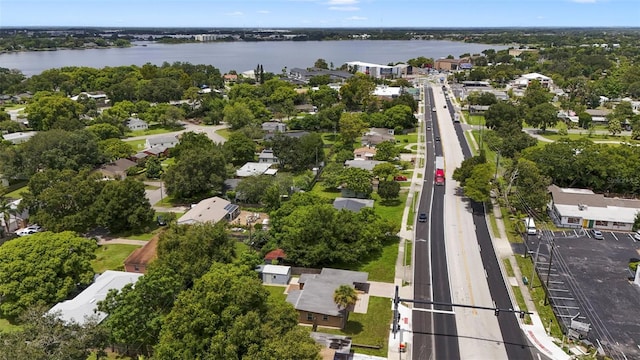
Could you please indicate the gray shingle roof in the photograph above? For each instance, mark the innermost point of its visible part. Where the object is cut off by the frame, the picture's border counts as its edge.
(352, 204)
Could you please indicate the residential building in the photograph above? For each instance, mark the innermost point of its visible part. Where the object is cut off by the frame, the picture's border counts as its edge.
(524, 80)
(275, 274)
(83, 307)
(352, 204)
(376, 136)
(230, 78)
(211, 210)
(275, 255)
(364, 153)
(291, 134)
(255, 168)
(19, 137)
(134, 123)
(363, 164)
(387, 92)
(267, 157)
(156, 151)
(598, 116)
(379, 71)
(518, 52)
(582, 208)
(99, 97)
(167, 141)
(116, 169)
(274, 127)
(451, 64)
(314, 298)
(568, 116)
(140, 258)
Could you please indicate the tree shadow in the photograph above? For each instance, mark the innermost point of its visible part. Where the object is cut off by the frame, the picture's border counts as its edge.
(353, 328)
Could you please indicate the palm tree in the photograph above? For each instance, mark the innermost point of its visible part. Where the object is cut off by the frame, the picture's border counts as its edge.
(6, 211)
(345, 297)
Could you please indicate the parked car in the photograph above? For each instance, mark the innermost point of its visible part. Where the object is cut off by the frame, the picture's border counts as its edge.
(437, 138)
(400, 178)
(161, 220)
(597, 234)
(433, 109)
(29, 230)
(422, 217)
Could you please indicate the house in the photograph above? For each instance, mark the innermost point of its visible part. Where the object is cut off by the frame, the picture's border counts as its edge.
(134, 124)
(598, 116)
(314, 299)
(83, 307)
(291, 134)
(524, 80)
(275, 274)
(364, 153)
(274, 127)
(352, 204)
(167, 141)
(278, 255)
(267, 157)
(451, 64)
(376, 136)
(363, 164)
(387, 92)
(138, 261)
(254, 168)
(116, 169)
(230, 78)
(582, 208)
(19, 137)
(99, 97)
(212, 210)
(568, 116)
(518, 52)
(156, 151)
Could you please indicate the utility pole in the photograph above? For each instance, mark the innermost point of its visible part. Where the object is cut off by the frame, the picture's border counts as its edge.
(546, 299)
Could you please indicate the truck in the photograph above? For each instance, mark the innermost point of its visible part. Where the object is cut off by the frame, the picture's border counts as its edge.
(456, 118)
(439, 177)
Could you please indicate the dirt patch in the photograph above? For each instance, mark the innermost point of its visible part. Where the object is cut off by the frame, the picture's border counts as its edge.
(246, 217)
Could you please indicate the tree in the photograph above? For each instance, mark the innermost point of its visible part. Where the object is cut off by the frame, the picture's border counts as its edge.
(542, 116)
(239, 148)
(196, 172)
(345, 296)
(43, 269)
(385, 171)
(386, 151)
(357, 180)
(502, 114)
(233, 324)
(238, 115)
(104, 131)
(584, 120)
(465, 170)
(53, 111)
(154, 168)
(389, 190)
(356, 93)
(252, 188)
(478, 186)
(400, 116)
(535, 95)
(63, 200)
(351, 127)
(321, 64)
(531, 186)
(123, 205)
(324, 98)
(44, 336)
(114, 149)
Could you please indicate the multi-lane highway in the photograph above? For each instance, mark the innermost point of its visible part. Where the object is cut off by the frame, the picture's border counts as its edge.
(434, 333)
(467, 242)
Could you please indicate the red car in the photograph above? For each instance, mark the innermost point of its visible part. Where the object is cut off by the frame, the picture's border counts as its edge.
(400, 178)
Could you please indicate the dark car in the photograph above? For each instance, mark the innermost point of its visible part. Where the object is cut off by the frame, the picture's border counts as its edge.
(437, 138)
(422, 217)
(161, 220)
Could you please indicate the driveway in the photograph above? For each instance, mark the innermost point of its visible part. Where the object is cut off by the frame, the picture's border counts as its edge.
(209, 130)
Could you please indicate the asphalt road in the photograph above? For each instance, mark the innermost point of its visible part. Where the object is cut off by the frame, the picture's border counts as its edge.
(434, 334)
(515, 343)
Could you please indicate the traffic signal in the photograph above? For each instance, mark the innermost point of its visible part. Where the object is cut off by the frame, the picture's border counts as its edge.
(497, 312)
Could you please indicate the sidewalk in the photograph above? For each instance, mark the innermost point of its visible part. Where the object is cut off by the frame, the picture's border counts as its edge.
(536, 333)
(404, 274)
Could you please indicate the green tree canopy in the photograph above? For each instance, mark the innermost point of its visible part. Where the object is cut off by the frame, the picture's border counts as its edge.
(196, 172)
(239, 148)
(43, 269)
(53, 111)
(123, 205)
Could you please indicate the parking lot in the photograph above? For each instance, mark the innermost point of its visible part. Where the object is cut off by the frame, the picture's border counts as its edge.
(588, 282)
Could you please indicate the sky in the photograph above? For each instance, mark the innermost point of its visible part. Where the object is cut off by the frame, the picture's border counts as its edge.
(321, 13)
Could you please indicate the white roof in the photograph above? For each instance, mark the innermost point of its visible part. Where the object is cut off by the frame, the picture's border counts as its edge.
(535, 76)
(609, 213)
(212, 210)
(276, 269)
(19, 135)
(83, 306)
(252, 168)
(361, 63)
(386, 91)
(271, 172)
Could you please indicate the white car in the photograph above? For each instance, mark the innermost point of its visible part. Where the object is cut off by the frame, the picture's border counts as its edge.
(636, 235)
(29, 230)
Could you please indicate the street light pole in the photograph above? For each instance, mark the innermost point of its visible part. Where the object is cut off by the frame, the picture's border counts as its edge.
(546, 300)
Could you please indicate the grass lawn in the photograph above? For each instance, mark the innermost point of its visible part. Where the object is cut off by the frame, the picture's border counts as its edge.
(412, 209)
(410, 138)
(508, 268)
(371, 328)
(225, 133)
(12, 106)
(381, 266)
(167, 201)
(152, 130)
(494, 223)
(474, 119)
(512, 234)
(16, 193)
(276, 292)
(474, 150)
(111, 257)
(151, 187)
(407, 252)
(137, 144)
(329, 195)
(7, 326)
(329, 138)
(521, 304)
(391, 210)
(537, 294)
